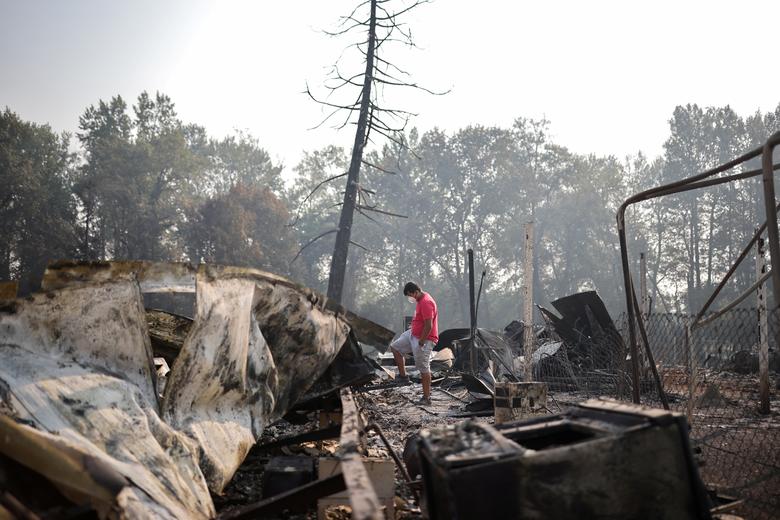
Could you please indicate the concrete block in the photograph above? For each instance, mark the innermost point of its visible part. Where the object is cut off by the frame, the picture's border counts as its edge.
(514, 400)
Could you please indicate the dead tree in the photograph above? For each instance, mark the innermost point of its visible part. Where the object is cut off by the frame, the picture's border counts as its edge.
(380, 27)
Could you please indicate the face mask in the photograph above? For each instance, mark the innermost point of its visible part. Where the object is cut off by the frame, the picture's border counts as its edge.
(411, 299)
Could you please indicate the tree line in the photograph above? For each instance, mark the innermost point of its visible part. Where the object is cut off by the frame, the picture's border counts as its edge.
(146, 185)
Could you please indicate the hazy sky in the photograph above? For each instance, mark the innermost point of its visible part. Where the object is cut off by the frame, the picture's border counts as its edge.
(606, 74)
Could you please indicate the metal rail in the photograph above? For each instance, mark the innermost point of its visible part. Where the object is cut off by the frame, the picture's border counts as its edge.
(702, 180)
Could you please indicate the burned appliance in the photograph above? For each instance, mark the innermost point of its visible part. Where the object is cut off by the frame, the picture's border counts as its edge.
(601, 459)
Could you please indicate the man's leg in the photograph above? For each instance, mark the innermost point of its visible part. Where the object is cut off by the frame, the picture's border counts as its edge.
(422, 360)
(426, 384)
(400, 347)
(399, 362)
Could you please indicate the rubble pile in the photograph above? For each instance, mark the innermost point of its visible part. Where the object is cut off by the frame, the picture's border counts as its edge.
(271, 401)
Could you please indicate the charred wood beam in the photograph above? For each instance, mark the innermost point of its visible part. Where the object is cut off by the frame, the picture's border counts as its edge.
(362, 496)
(15, 508)
(308, 493)
(331, 432)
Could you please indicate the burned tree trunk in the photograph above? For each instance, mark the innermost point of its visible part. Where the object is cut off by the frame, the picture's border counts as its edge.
(381, 27)
(338, 264)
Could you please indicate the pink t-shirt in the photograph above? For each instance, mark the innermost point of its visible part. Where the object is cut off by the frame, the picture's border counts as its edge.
(426, 309)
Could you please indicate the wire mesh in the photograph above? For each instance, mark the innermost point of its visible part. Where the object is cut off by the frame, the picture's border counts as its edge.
(711, 373)
(591, 366)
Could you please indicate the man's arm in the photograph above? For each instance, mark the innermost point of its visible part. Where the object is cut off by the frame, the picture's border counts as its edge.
(427, 326)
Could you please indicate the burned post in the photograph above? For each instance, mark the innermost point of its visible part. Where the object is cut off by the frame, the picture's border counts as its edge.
(528, 302)
(473, 314)
(644, 298)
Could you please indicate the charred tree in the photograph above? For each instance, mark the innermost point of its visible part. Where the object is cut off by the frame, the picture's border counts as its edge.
(338, 264)
(380, 26)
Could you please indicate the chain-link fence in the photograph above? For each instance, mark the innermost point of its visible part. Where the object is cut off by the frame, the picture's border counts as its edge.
(710, 373)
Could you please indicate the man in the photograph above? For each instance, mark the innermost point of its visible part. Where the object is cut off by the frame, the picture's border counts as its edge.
(419, 339)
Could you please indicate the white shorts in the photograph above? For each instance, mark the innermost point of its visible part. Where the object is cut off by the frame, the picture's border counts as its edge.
(408, 344)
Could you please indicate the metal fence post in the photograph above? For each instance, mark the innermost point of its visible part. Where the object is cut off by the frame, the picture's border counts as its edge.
(763, 332)
(473, 315)
(690, 358)
(644, 309)
(528, 304)
(644, 299)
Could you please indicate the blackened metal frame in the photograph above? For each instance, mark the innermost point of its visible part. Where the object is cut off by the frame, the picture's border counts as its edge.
(702, 180)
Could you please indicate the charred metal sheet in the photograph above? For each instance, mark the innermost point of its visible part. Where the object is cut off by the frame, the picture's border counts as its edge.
(583, 315)
(350, 368)
(590, 336)
(362, 496)
(180, 277)
(483, 384)
(448, 338)
(574, 309)
(366, 331)
(597, 460)
(103, 326)
(253, 350)
(151, 276)
(487, 348)
(76, 363)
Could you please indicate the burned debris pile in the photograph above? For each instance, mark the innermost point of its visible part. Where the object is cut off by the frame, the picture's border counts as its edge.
(578, 350)
(271, 401)
(584, 349)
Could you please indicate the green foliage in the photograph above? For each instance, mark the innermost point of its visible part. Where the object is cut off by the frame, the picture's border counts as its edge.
(239, 159)
(149, 186)
(246, 226)
(143, 180)
(477, 187)
(311, 197)
(147, 178)
(37, 211)
(134, 170)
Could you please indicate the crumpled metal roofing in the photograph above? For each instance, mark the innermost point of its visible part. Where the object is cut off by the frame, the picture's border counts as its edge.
(77, 378)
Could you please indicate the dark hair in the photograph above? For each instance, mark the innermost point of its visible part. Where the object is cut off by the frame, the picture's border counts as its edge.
(410, 287)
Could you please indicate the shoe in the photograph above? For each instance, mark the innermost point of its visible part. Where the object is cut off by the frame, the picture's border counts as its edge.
(424, 401)
(402, 380)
